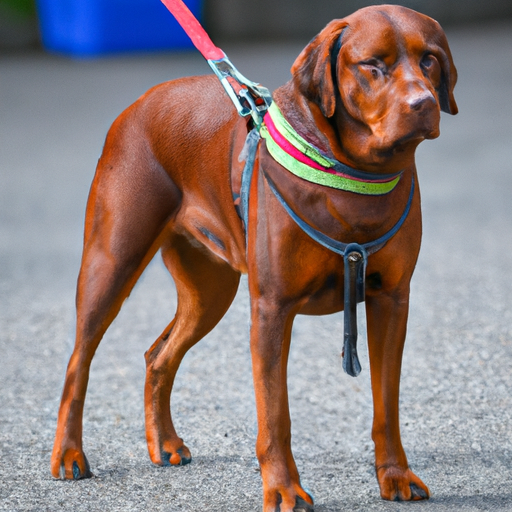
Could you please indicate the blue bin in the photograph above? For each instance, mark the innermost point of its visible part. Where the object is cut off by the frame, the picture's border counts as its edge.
(88, 28)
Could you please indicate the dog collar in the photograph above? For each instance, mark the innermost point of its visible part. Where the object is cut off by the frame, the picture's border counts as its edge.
(304, 160)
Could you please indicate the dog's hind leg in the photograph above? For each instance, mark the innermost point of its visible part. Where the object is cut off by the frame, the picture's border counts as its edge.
(206, 286)
(131, 201)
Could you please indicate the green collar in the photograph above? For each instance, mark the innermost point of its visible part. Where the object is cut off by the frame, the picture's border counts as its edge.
(304, 160)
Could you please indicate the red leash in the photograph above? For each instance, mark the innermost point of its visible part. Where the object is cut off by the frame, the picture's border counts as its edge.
(249, 97)
(194, 30)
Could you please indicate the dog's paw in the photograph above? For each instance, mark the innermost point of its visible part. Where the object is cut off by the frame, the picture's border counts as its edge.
(292, 503)
(397, 484)
(302, 505)
(173, 456)
(168, 452)
(180, 457)
(73, 465)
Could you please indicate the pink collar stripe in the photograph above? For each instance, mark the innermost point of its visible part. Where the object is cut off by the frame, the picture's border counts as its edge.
(304, 160)
(287, 146)
(295, 153)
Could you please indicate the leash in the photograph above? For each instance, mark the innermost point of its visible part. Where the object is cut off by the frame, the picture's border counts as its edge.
(302, 159)
(249, 98)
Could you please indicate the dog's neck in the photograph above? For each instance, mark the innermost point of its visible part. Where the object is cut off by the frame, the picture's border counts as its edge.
(306, 161)
(327, 135)
(296, 110)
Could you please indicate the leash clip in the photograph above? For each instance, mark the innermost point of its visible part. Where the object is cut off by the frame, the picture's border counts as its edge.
(249, 98)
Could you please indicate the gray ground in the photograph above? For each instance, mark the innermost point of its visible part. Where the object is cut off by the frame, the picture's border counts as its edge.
(456, 385)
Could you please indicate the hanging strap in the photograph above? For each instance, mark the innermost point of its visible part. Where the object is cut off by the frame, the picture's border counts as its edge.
(248, 154)
(354, 261)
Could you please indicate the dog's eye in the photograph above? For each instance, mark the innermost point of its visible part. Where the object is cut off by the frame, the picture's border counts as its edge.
(375, 67)
(431, 68)
(428, 61)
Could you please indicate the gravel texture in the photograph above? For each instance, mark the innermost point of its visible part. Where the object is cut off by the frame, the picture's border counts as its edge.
(456, 383)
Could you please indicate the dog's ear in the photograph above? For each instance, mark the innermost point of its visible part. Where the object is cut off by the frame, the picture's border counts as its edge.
(448, 76)
(311, 71)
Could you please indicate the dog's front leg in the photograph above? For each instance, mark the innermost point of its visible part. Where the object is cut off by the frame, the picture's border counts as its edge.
(270, 343)
(387, 321)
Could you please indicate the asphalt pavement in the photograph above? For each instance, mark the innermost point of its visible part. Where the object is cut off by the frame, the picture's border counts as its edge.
(456, 395)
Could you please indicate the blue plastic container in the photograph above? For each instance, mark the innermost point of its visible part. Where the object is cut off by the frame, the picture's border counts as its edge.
(88, 28)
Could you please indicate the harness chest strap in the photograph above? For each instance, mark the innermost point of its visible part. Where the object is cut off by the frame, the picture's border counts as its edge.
(299, 157)
(355, 258)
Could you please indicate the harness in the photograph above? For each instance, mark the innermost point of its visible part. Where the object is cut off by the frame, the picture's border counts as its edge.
(306, 163)
(304, 160)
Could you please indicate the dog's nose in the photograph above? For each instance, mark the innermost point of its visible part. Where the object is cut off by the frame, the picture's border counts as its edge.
(421, 100)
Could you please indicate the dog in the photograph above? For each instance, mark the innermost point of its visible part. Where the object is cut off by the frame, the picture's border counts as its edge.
(364, 92)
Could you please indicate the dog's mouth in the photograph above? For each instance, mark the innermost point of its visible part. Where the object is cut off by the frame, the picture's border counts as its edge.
(412, 138)
(393, 138)
(387, 150)
(402, 147)
(426, 128)
(396, 132)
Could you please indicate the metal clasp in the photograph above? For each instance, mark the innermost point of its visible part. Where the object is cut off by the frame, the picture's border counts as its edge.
(249, 98)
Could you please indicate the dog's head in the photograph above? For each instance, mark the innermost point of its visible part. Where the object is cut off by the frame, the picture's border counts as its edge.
(382, 75)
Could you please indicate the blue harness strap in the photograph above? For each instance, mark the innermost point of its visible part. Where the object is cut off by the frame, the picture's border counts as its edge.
(355, 256)
(249, 155)
(331, 243)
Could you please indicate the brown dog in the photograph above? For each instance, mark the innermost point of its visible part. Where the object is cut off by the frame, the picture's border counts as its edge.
(366, 91)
